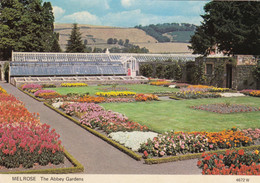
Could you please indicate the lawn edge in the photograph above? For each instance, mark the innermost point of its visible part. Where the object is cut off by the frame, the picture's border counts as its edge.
(27, 93)
(78, 167)
(103, 137)
(193, 156)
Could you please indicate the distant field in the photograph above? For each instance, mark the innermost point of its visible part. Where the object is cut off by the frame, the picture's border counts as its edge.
(166, 47)
(97, 37)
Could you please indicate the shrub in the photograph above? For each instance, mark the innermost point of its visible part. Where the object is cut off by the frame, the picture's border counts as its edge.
(195, 94)
(48, 85)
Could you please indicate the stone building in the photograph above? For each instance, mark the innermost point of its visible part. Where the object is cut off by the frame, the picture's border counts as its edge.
(229, 72)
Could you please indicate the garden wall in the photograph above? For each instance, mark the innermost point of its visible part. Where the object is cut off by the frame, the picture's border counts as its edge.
(243, 77)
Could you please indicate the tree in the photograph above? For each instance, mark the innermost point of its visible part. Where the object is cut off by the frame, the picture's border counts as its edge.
(232, 27)
(25, 25)
(75, 43)
(110, 41)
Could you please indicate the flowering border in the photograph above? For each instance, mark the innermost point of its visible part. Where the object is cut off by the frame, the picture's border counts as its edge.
(193, 156)
(103, 137)
(76, 169)
(27, 93)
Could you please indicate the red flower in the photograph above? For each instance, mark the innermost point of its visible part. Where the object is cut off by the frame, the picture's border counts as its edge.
(221, 156)
(241, 152)
(145, 153)
(199, 163)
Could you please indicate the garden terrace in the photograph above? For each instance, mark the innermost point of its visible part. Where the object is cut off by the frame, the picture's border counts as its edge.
(90, 80)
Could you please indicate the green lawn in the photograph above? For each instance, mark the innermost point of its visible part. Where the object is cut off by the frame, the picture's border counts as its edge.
(144, 88)
(161, 116)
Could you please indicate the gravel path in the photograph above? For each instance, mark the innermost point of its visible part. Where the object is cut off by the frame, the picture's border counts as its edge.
(97, 156)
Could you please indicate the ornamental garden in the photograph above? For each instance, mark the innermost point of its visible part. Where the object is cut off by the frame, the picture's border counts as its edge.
(160, 122)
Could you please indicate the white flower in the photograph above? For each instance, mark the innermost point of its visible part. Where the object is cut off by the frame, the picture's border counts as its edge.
(132, 140)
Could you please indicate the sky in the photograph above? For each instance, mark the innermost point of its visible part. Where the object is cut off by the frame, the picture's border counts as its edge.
(127, 13)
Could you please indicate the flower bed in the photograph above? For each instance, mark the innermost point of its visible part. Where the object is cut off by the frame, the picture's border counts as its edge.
(113, 89)
(172, 144)
(145, 97)
(95, 117)
(2, 90)
(195, 94)
(112, 100)
(23, 139)
(41, 93)
(255, 93)
(132, 140)
(73, 84)
(223, 108)
(231, 163)
(91, 99)
(159, 83)
(247, 91)
(29, 87)
(115, 93)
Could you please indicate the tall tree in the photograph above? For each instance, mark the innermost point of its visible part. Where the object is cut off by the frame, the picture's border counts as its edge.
(75, 43)
(25, 25)
(230, 26)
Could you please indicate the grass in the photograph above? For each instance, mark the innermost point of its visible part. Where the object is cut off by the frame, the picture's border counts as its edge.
(161, 116)
(144, 88)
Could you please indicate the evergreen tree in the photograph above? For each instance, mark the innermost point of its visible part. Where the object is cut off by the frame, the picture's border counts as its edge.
(230, 26)
(25, 25)
(75, 43)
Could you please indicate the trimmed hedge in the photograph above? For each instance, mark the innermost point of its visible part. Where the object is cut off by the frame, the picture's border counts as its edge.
(105, 138)
(76, 169)
(192, 156)
(27, 93)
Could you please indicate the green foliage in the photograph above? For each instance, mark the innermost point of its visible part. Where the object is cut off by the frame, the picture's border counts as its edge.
(229, 26)
(198, 76)
(6, 71)
(158, 30)
(256, 72)
(25, 26)
(75, 43)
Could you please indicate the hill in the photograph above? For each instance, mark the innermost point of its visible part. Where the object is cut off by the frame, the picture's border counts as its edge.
(170, 32)
(97, 36)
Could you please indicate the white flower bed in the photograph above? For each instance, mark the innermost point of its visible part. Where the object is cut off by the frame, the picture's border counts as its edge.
(132, 140)
(57, 105)
(232, 94)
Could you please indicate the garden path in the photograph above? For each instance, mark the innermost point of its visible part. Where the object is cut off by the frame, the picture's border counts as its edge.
(97, 156)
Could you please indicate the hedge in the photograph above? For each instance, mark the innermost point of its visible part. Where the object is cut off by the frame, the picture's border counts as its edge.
(76, 169)
(193, 156)
(105, 138)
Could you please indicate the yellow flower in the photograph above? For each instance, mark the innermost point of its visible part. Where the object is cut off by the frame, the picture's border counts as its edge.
(256, 152)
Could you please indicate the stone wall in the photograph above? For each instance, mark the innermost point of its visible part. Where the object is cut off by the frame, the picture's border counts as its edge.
(243, 78)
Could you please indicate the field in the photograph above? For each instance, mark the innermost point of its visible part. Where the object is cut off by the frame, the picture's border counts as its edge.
(97, 37)
(161, 116)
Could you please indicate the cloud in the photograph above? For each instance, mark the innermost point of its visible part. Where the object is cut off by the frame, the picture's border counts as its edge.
(137, 17)
(83, 17)
(127, 3)
(98, 4)
(58, 12)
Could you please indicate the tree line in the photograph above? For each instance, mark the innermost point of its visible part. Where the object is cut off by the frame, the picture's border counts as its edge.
(158, 30)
